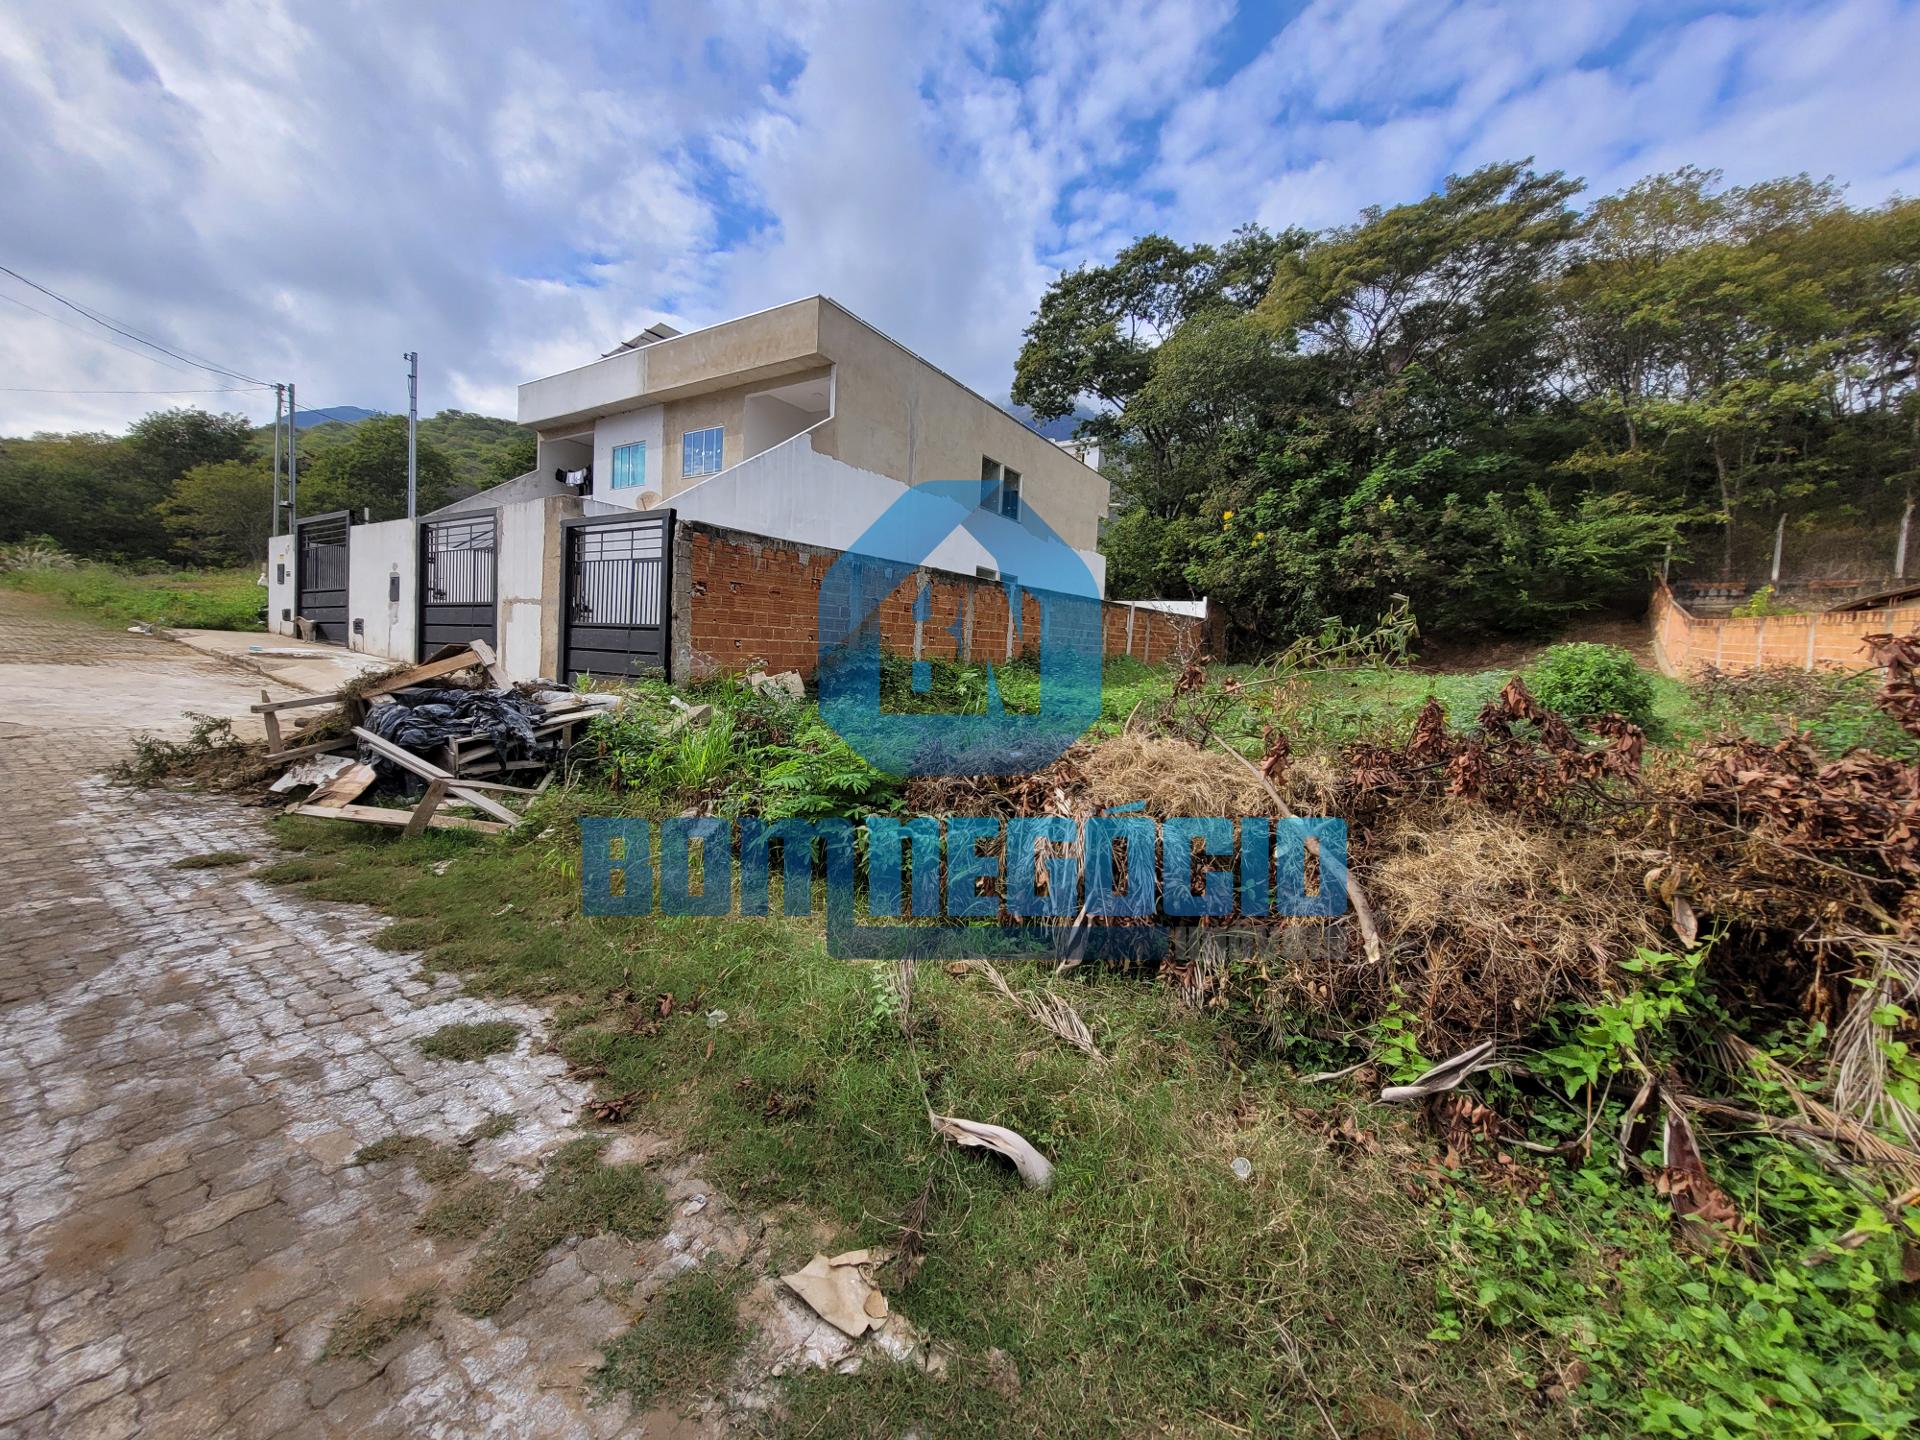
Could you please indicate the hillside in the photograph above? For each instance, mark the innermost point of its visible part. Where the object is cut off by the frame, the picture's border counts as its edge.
(480, 446)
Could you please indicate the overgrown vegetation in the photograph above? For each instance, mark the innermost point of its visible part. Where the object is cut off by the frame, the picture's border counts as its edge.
(1680, 1204)
(188, 487)
(1488, 401)
(186, 599)
(1585, 681)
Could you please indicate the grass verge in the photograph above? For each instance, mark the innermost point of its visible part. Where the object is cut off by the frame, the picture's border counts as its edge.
(186, 599)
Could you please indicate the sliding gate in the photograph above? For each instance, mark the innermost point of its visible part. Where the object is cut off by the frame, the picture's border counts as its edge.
(320, 574)
(619, 589)
(459, 568)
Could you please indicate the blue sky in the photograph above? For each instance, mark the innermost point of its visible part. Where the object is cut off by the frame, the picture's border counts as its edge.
(304, 191)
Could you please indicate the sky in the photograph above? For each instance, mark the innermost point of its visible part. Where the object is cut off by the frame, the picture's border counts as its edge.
(303, 191)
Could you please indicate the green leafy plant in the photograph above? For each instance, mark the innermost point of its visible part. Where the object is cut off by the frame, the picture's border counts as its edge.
(1761, 603)
(1583, 681)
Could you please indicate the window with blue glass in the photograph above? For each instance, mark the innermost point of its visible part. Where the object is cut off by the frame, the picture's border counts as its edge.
(630, 466)
(999, 488)
(700, 452)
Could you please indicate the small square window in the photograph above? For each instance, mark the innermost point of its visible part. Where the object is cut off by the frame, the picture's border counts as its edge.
(630, 466)
(700, 452)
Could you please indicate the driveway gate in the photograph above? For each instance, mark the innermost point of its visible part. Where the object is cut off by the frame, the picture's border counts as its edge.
(619, 584)
(458, 568)
(320, 574)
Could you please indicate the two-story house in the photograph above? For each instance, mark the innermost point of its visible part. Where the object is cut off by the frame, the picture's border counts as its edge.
(800, 422)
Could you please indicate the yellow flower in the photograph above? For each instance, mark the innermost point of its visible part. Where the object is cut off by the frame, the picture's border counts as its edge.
(1259, 534)
(1226, 514)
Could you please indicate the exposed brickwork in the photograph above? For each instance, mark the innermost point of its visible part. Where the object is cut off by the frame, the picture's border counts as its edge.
(752, 599)
(1684, 643)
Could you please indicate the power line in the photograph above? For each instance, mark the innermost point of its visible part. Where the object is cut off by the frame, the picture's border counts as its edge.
(98, 319)
(69, 325)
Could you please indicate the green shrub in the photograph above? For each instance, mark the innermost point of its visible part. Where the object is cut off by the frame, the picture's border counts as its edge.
(1583, 681)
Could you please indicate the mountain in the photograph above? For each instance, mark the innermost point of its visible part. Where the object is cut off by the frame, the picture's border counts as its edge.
(344, 414)
(1061, 429)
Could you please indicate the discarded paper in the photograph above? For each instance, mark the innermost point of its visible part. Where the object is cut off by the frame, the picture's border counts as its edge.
(1034, 1167)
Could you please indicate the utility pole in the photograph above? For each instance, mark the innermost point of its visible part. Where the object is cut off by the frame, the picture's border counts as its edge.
(279, 405)
(412, 357)
(293, 457)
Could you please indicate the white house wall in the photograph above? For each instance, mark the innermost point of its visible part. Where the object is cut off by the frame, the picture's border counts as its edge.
(383, 619)
(530, 585)
(280, 585)
(791, 492)
(645, 426)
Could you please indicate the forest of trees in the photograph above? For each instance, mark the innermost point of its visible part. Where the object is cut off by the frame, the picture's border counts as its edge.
(186, 486)
(1490, 402)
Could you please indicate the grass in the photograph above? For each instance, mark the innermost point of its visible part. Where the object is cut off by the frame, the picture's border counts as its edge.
(576, 1196)
(1347, 1286)
(682, 1346)
(1147, 1287)
(361, 1330)
(473, 1041)
(468, 1212)
(184, 599)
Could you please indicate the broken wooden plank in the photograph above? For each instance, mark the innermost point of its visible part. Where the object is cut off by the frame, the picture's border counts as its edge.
(380, 815)
(427, 770)
(423, 812)
(496, 786)
(274, 707)
(270, 719)
(346, 787)
(463, 659)
(496, 672)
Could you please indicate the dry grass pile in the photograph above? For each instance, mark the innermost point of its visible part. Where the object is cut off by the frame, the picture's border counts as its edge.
(1493, 920)
(1170, 778)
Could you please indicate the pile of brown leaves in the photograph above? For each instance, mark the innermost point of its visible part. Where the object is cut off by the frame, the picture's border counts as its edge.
(1522, 759)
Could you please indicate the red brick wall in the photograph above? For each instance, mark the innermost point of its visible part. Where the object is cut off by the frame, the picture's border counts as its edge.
(742, 598)
(1685, 643)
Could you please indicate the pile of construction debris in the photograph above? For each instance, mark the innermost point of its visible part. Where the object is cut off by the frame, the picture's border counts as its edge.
(454, 724)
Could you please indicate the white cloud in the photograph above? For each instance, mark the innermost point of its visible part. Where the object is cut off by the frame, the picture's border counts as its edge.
(305, 191)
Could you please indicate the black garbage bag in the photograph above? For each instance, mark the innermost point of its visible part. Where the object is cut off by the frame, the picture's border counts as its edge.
(423, 719)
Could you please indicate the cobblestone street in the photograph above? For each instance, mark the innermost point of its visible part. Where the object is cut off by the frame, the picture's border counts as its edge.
(188, 1061)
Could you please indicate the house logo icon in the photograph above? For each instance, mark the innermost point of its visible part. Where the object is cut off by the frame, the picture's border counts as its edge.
(891, 574)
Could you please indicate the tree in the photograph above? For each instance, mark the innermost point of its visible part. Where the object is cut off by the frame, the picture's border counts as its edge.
(219, 511)
(73, 488)
(163, 446)
(515, 458)
(368, 473)
(1428, 317)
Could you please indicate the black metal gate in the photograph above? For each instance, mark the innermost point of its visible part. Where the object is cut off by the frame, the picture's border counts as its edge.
(618, 599)
(458, 569)
(320, 574)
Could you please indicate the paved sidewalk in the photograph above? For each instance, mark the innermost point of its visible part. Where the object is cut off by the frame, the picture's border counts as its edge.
(188, 1059)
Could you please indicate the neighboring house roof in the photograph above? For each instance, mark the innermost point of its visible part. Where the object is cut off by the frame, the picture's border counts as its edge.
(1879, 600)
